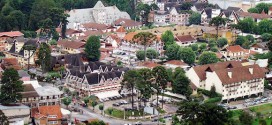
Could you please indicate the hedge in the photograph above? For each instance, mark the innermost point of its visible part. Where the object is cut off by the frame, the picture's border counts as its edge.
(213, 100)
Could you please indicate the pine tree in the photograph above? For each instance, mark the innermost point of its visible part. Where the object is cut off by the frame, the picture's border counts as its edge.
(44, 56)
(11, 85)
(92, 48)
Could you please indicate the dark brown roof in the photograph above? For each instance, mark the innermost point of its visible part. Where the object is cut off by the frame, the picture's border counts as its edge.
(176, 62)
(72, 31)
(185, 38)
(29, 91)
(240, 74)
(71, 44)
(201, 70)
(93, 33)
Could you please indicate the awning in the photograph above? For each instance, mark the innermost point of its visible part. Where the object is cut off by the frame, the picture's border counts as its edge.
(103, 95)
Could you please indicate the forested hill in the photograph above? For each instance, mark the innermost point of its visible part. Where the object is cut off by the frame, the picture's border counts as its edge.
(30, 15)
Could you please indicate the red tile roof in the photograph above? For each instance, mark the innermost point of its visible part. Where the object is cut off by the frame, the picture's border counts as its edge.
(121, 30)
(45, 111)
(176, 62)
(185, 38)
(72, 31)
(234, 49)
(240, 74)
(71, 44)
(96, 26)
(11, 63)
(149, 64)
(201, 69)
(93, 33)
(127, 22)
(253, 15)
(11, 34)
(129, 36)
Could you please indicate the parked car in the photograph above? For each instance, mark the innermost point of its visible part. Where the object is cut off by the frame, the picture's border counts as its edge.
(232, 107)
(116, 104)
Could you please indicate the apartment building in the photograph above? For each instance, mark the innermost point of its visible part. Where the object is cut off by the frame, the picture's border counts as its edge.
(185, 40)
(230, 79)
(70, 46)
(237, 52)
(47, 115)
(17, 114)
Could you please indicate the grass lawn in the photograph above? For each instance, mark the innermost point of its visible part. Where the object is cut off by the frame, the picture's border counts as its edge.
(263, 109)
(236, 114)
(120, 113)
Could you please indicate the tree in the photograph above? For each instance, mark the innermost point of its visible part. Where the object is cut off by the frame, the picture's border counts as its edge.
(266, 37)
(140, 55)
(187, 55)
(253, 10)
(240, 40)
(262, 122)
(44, 56)
(53, 42)
(172, 52)
(245, 118)
(93, 103)
(186, 6)
(269, 44)
(265, 26)
(250, 38)
(67, 101)
(3, 118)
(29, 48)
(214, 49)
(168, 38)
(212, 43)
(86, 100)
(222, 42)
(203, 47)
(194, 47)
(145, 85)
(154, 6)
(246, 25)
(129, 82)
(142, 11)
(161, 79)
(217, 21)
(11, 86)
(181, 85)
(92, 48)
(262, 7)
(145, 39)
(7, 9)
(152, 54)
(97, 122)
(101, 108)
(190, 112)
(207, 58)
(195, 18)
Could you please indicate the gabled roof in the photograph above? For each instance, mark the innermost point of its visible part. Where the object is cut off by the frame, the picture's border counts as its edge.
(45, 111)
(29, 91)
(71, 44)
(11, 34)
(240, 74)
(129, 36)
(149, 64)
(185, 38)
(126, 22)
(234, 49)
(96, 26)
(235, 9)
(253, 15)
(201, 69)
(176, 62)
(72, 31)
(121, 30)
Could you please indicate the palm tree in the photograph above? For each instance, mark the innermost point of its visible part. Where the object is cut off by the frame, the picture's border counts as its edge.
(29, 48)
(217, 21)
(130, 80)
(145, 39)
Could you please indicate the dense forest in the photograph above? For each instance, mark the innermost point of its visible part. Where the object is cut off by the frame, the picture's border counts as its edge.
(31, 15)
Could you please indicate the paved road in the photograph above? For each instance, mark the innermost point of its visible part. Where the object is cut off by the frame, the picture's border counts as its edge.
(87, 114)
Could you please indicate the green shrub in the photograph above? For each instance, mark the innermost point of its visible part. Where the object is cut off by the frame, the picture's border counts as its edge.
(213, 100)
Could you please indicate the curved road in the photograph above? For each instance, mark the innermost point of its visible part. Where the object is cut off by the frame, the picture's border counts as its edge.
(109, 120)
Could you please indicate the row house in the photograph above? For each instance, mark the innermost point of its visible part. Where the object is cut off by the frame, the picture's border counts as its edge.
(127, 23)
(94, 77)
(208, 13)
(35, 95)
(230, 79)
(255, 16)
(5, 35)
(71, 47)
(15, 49)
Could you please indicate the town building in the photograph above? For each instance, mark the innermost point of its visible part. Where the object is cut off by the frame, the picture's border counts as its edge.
(260, 47)
(175, 64)
(47, 115)
(15, 49)
(127, 23)
(236, 52)
(98, 14)
(17, 114)
(230, 79)
(255, 16)
(5, 35)
(185, 40)
(69, 46)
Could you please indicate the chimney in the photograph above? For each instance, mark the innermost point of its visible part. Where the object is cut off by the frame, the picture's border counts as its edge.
(250, 70)
(230, 74)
